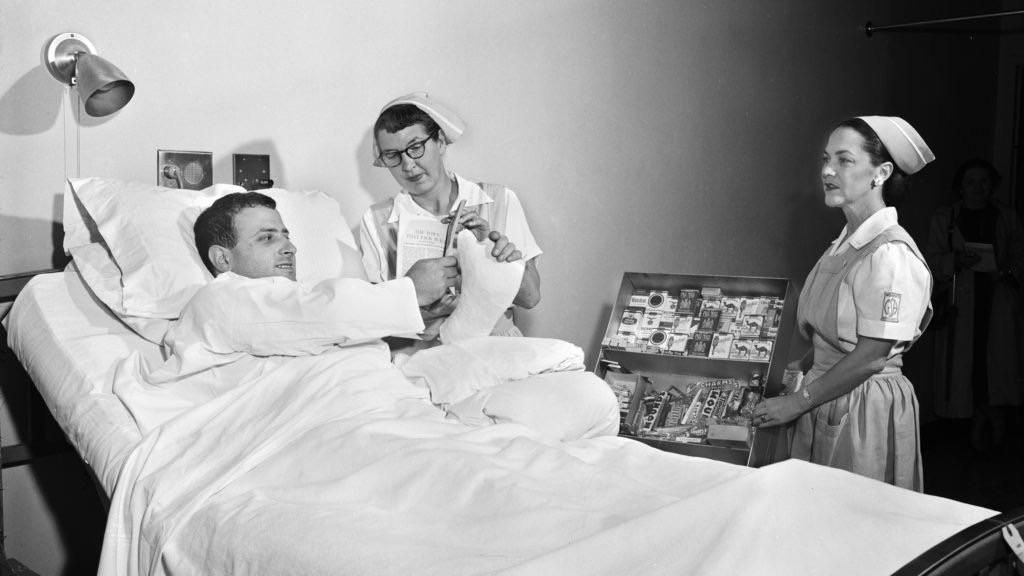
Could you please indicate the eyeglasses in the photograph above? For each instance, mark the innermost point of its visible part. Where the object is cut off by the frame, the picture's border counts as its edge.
(415, 151)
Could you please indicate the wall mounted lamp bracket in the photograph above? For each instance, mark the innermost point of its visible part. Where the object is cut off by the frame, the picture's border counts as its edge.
(63, 52)
(103, 88)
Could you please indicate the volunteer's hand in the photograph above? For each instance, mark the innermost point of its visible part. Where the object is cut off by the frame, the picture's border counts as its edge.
(432, 277)
(777, 411)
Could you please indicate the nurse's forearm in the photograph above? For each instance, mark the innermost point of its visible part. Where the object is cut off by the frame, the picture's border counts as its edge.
(529, 289)
(867, 359)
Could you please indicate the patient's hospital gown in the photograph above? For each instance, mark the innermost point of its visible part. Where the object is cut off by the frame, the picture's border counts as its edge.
(236, 329)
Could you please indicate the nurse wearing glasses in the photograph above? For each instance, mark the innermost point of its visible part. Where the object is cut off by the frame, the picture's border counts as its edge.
(411, 135)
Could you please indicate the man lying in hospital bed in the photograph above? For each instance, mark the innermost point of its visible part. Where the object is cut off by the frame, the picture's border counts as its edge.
(318, 464)
(254, 316)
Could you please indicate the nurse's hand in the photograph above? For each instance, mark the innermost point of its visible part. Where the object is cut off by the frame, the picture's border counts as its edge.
(470, 221)
(504, 250)
(777, 411)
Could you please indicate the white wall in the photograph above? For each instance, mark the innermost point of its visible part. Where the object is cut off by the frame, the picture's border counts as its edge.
(644, 135)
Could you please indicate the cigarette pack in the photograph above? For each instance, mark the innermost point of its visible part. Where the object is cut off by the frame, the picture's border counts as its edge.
(751, 325)
(741, 349)
(730, 310)
(721, 344)
(714, 292)
(709, 320)
(762, 351)
(689, 301)
(638, 299)
(710, 304)
(649, 322)
(757, 305)
(630, 321)
(658, 340)
(658, 300)
(770, 328)
(677, 344)
(700, 343)
(684, 324)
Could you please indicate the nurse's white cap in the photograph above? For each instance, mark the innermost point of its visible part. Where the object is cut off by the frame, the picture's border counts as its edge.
(451, 124)
(908, 150)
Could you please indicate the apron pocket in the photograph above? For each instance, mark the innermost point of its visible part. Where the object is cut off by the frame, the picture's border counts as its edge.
(827, 434)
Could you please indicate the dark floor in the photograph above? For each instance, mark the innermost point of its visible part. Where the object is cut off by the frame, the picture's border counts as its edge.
(973, 464)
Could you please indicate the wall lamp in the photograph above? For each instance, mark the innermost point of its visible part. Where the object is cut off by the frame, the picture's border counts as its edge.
(71, 59)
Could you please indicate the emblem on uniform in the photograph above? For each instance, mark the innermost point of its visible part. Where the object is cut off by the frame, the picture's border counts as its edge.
(891, 307)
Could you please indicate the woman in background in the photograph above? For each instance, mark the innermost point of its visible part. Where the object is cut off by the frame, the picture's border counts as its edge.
(863, 305)
(411, 135)
(976, 252)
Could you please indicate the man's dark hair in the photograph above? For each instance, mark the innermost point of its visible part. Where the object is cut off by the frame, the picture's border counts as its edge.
(215, 226)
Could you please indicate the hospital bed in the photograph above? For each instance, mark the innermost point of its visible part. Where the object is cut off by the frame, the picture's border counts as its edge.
(361, 476)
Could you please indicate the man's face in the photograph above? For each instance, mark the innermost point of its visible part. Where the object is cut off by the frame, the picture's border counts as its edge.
(263, 248)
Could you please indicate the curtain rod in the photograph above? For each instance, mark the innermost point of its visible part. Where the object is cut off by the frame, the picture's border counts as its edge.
(869, 28)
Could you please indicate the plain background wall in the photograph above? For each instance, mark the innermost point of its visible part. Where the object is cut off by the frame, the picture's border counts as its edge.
(652, 136)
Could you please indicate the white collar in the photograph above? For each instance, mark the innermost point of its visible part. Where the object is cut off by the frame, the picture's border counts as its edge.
(469, 191)
(868, 230)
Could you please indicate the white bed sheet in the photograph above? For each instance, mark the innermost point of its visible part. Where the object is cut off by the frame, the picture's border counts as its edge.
(309, 476)
(69, 345)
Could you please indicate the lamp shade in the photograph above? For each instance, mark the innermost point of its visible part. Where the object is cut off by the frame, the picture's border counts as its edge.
(102, 86)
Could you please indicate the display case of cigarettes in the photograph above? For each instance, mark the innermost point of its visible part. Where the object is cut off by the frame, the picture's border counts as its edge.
(689, 357)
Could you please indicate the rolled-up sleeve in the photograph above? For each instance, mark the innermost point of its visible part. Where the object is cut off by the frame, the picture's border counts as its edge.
(891, 292)
(518, 229)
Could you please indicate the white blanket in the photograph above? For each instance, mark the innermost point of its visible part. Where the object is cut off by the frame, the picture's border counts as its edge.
(317, 468)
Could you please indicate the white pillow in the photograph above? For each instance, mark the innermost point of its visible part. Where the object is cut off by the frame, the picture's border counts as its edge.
(103, 278)
(316, 226)
(148, 231)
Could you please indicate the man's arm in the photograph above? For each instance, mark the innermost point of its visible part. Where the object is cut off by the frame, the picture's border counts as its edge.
(276, 316)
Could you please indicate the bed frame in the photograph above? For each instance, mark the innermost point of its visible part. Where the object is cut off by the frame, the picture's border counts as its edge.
(39, 433)
(978, 549)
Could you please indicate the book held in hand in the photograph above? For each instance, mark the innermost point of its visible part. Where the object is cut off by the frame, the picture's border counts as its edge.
(418, 239)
